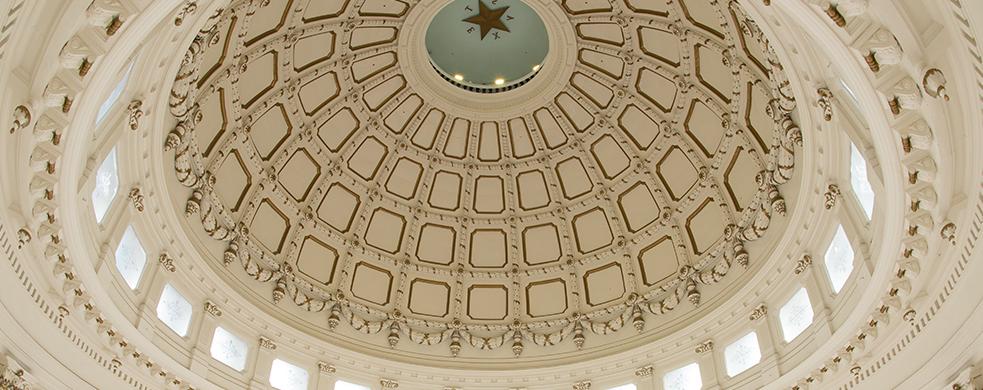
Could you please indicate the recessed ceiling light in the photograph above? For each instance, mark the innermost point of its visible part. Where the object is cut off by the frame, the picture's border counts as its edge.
(499, 81)
(535, 68)
(459, 77)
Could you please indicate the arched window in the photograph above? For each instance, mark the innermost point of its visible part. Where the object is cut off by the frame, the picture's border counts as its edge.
(796, 315)
(630, 386)
(286, 376)
(683, 378)
(342, 385)
(860, 182)
(229, 349)
(130, 258)
(107, 185)
(742, 354)
(839, 260)
(113, 96)
(174, 310)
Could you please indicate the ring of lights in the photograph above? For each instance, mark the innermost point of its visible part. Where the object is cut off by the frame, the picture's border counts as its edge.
(539, 88)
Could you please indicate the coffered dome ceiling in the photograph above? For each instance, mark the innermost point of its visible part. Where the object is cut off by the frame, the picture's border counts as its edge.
(324, 159)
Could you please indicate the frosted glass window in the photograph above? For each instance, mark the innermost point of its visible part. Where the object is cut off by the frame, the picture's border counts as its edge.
(630, 386)
(853, 96)
(742, 354)
(113, 96)
(342, 385)
(130, 258)
(839, 260)
(174, 310)
(796, 315)
(107, 184)
(229, 349)
(860, 182)
(683, 378)
(286, 376)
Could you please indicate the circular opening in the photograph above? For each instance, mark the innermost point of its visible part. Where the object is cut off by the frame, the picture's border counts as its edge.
(487, 46)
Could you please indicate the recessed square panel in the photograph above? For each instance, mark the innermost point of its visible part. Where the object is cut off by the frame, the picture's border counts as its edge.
(371, 283)
(541, 244)
(489, 248)
(338, 207)
(317, 260)
(385, 230)
(429, 297)
(488, 302)
(546, 298)
(592, 230)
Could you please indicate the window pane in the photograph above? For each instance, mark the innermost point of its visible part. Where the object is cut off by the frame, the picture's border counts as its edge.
(107, 184)
(174, 311)
(342, 385)
(113, 96)
(684, 378)
(839, 260)
(796, 315)
(130, 258)
(630, 386)
(742, 354)
(860, 182)
(229, 349)
(286, 376)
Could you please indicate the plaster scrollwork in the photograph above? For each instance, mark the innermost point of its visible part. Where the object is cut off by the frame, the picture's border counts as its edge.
(136, 199)
(24, 237)
(644, 372)
(934, 83)
(948, 233)
(826, 103)
(758, 312)
(134, 111)
(704, 347)
(212, 309)
(326, 368)
(388, 383)
(802, 264)
(21, 118)
(582, 385)
(166, 262)
(831, 195)
(189, 7)
(266, 343)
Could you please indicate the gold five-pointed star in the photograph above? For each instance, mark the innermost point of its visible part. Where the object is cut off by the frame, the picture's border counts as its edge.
(488, 19)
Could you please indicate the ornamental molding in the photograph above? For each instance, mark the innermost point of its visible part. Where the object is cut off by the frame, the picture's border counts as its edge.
(212, 309)
(704, 347)
(221, 223)
(582, 385)
(326, 368)
(758, 312)
(802, 264)
(266, 343)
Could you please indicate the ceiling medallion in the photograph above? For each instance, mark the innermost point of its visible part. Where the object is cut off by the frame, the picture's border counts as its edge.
(329, 179)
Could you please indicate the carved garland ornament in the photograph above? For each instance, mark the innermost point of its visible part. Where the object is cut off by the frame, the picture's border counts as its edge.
(288, 285)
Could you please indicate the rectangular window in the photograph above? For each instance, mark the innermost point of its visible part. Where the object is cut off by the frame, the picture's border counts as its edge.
(130, 258)
(860, 182)
(286, 376)
(683, 378)
(839, 260)
(107, 184)
(796, 315)
(113, 96)
(229, 349)
(174, 310)
(742, 354)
